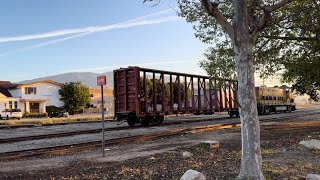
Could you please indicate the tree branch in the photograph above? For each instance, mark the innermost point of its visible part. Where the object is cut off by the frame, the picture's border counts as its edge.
(266, 17)
(213, 10)
(293, 38)
(274, 7)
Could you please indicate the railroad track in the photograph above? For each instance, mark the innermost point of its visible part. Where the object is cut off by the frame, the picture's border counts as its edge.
(58, 150)
(71, 148)
(95, 131)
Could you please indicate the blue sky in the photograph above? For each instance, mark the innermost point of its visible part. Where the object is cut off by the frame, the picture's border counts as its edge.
(40, 38)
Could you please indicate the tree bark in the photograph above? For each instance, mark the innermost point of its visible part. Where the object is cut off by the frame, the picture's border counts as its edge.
(251, 160)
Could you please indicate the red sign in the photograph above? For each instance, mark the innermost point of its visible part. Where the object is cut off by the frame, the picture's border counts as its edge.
(100, 102)
(101, 80)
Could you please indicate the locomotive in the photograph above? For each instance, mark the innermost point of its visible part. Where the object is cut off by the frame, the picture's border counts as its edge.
(145, 96)
(274, 99)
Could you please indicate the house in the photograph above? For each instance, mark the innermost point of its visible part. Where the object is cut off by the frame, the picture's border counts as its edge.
(30, 97)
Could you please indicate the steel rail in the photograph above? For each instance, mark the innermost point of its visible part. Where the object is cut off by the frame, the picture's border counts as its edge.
(94, 131)
(71, 148)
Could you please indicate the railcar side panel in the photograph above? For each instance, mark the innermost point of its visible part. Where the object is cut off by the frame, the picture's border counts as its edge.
(145, 95)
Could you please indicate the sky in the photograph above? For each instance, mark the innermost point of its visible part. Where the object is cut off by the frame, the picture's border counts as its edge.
(42, 38)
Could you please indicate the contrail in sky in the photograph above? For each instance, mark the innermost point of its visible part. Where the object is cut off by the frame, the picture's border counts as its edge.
(87, 31)
(71, 31)
(104, 28)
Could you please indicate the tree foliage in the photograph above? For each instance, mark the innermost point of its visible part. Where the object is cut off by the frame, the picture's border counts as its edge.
(244, 34)
(149, 93)
(75, 96)
(252, 36)
(290, 43)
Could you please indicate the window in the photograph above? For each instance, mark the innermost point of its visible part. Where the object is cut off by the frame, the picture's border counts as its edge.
(16, 105)
(30, 90)
(274, 98)
(10, 104)
(91, 95)
(263, 98)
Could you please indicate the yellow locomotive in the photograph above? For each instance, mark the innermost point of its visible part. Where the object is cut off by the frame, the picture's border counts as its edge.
(276, 99)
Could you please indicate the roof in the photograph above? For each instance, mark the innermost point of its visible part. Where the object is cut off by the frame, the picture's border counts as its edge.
(42, 81)
(4, 86)
(5, 92)
(7, 85)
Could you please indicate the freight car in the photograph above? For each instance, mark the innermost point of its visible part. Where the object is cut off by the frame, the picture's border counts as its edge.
(274, 100)
(145, 96)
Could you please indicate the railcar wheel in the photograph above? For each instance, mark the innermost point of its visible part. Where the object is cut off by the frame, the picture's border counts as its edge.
(266, 110)
(160, 119)
(145, 122)
(131, 121)
(289, 108)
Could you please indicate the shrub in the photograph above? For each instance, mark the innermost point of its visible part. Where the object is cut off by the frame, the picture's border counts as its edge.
(51, 109)
(34, 115)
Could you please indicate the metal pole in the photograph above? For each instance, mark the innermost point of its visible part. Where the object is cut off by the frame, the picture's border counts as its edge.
(102, 107)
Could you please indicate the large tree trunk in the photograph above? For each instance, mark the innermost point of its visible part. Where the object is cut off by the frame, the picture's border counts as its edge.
(251, 161)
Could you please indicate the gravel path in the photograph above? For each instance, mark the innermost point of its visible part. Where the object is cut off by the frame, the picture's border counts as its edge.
(33, 144)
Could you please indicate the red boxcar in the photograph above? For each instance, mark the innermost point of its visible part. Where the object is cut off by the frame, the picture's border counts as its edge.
(146, 95)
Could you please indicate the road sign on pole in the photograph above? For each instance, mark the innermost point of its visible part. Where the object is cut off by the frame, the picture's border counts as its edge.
(102, 80)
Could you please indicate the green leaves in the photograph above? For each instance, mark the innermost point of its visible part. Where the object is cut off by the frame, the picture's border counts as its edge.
(219, 62)
(290, 43)
(75, 96)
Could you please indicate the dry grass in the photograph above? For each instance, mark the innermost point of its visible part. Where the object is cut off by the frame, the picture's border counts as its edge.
(42, 121)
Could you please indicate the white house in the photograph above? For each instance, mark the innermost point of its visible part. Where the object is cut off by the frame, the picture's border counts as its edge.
(30, 97)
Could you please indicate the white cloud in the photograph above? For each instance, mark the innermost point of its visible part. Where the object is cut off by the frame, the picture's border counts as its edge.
(146, 64)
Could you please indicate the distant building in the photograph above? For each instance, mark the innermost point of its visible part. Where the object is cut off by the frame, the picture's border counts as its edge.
(95, 94)
(30, 97)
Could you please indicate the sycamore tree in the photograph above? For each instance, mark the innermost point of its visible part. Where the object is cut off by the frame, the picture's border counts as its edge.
(289, 46)
(265, 36)
(237, 25)
(75, 96)
(248, 36)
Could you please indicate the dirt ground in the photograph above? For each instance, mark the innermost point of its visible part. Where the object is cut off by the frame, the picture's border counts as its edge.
(283, 158)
